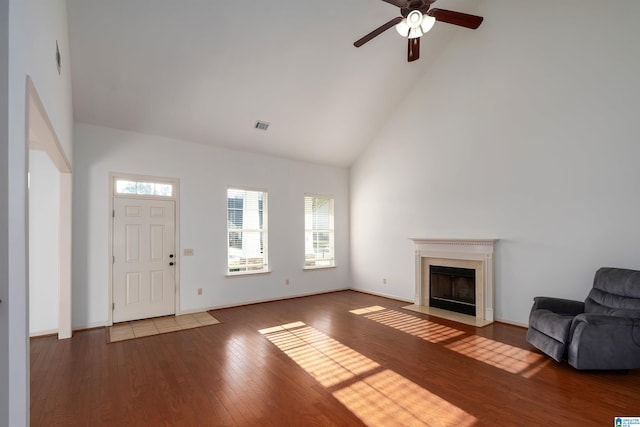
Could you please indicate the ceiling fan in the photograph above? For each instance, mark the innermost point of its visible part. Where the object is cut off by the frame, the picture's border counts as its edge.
(418, 18)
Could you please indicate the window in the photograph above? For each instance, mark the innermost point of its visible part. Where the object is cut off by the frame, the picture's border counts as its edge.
(246, 231)
(141, 188)
(318, 232)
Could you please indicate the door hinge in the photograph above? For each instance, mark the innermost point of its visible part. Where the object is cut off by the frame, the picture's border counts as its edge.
(113, 259)
(113, 213)
(113, 306)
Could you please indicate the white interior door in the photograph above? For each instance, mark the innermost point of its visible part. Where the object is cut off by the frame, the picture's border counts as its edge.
(143, 258)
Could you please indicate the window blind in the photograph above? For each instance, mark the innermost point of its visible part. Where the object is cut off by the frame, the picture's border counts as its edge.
(246, 231)
(319, 232)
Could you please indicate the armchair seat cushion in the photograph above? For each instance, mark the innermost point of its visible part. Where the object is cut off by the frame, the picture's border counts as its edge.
(549, 332)
(554, 325)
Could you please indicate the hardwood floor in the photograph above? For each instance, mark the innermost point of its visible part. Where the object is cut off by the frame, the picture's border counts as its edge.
(339, 359)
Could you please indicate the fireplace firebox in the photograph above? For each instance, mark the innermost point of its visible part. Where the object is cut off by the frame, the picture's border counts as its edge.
(453, 288)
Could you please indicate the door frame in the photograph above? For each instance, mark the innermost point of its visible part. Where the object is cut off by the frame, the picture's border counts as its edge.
(176, 199)
(42, 136)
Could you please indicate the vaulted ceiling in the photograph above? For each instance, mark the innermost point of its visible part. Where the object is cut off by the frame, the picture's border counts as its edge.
(205, 71)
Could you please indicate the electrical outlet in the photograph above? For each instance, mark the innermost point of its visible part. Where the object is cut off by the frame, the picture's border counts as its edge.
(384, 280)
(187, 252)
(199, 291)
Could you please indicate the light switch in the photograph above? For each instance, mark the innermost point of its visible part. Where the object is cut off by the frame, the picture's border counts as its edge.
(188, 252)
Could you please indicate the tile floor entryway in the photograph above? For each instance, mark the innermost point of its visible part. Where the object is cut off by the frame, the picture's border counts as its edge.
(159, 325)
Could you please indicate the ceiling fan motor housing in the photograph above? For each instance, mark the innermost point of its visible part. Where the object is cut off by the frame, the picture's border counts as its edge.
(420, 5)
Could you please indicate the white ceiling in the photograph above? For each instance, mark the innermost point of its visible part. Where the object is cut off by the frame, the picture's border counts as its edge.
(205, 71)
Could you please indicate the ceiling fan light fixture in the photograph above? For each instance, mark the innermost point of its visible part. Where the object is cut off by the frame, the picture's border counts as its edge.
(427, 23)
(403, 28)
(414, 18)
(414, 33)
(415, 25)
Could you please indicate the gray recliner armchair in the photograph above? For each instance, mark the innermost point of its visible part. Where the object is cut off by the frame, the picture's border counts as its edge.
(603, 332)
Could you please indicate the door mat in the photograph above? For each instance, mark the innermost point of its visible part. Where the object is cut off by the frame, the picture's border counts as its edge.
(159, 325)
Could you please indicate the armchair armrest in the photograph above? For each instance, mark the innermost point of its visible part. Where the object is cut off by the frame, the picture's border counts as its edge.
(565, 307)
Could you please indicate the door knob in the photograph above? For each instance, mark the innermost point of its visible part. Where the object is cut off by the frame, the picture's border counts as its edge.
(170, 255)
(170, 263)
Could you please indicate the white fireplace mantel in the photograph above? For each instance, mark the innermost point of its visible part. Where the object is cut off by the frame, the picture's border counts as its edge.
(469, 253)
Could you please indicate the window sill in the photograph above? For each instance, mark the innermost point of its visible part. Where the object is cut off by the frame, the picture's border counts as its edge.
(319, 267)
(247, 273)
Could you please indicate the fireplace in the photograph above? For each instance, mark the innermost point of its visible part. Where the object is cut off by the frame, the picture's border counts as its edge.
(453, 288)
(463, 279)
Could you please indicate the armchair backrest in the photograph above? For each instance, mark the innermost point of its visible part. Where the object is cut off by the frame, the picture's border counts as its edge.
(615, 292)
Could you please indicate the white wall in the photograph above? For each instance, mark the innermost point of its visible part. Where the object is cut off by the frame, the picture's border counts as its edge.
(525, 130)
(44, 197)
(204, 173)
(34, 27)
(5, 354)
(47, 25)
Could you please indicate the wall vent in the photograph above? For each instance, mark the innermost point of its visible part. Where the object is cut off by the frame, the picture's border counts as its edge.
(261, 125)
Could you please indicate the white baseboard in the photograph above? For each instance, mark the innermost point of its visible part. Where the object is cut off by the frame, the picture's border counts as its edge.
(509, 322)
(34, 334)
(381, 294)
(92, 325)
(258, 301)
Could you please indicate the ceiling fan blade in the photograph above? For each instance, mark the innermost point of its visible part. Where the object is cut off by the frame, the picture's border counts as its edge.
(381, 29)
(399, 3)
(413, 51)
(456, 18)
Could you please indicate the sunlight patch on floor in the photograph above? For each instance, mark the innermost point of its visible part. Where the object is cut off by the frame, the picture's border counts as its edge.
(500, 355)
(328, 361)
(371, 309)
(425, 329)
(378, 396)
(504, 356)
(388, 399)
